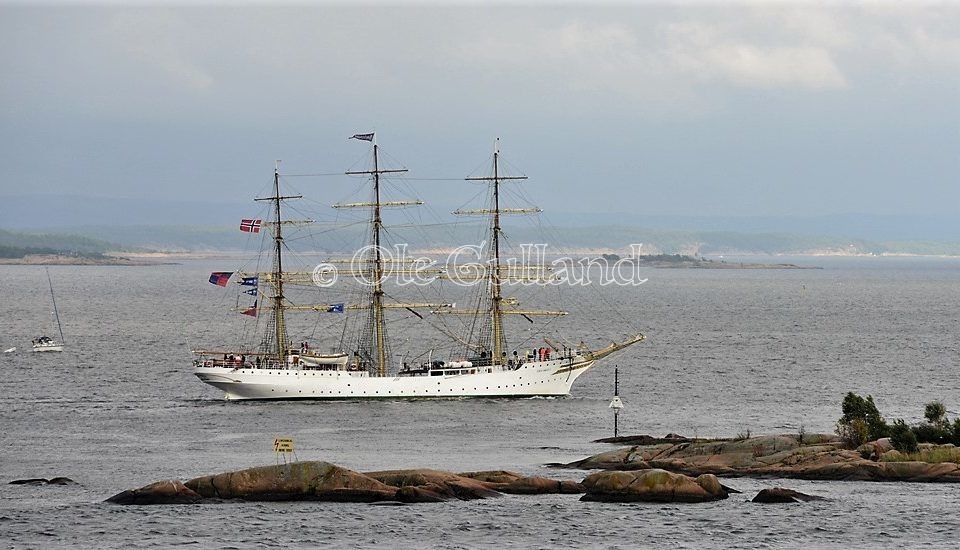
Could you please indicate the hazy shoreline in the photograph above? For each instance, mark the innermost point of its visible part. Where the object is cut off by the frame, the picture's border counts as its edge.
(105, 260)
(725, 261)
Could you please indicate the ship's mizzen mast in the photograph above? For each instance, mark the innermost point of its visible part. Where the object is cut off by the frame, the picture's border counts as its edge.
(280, 329)
(496, 310)
(500, 306)
(496, 295)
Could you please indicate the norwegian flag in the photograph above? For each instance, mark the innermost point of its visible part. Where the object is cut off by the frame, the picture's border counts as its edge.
(250, 226)
(220, 278)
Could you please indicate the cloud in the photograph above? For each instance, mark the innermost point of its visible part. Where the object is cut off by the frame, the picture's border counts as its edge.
(665, 61)
(677, 95)
(753, 66)
(159, 44)
(723, 53)
(647, 60)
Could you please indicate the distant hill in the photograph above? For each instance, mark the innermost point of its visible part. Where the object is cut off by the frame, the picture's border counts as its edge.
(15, 244)
(874, 227)
(80, 224)
(52, 212)
(614, 239)
(58, 212)
(167, 238)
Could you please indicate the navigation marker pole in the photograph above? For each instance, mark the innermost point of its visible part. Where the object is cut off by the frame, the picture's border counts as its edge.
(616, 404)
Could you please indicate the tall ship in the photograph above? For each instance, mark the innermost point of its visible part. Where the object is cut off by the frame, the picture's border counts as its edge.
(482, 364)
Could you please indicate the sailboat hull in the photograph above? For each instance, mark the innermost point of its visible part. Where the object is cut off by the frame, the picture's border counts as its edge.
(37, 348)
(540, 378)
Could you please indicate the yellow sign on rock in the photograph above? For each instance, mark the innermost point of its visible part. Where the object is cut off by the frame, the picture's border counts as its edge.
(283, 445)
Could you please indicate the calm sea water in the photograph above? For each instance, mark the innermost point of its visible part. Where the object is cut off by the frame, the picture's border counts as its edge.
(727, 352)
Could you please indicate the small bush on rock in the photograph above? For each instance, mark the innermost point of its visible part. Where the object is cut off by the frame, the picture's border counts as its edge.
(902, 437)
(853, 433)
(861, 421)
(935, 413)
(932, 433)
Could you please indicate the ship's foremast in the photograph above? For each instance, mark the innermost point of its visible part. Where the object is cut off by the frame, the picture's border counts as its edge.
(276, 279)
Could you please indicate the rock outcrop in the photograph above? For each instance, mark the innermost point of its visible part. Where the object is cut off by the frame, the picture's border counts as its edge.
(161, 492)
(513, 483)
(61, 481)
(780, 495)
(295, 481)
(29, 481)
(820, 457)
(443, 484)
(651, 486)
(322, 481)
(44, 481)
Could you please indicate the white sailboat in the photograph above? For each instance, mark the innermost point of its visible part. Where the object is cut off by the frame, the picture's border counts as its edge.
(46, 343)
(277, 371)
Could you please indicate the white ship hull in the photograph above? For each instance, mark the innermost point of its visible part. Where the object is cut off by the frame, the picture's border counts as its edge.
(47, 347)
(537, 378)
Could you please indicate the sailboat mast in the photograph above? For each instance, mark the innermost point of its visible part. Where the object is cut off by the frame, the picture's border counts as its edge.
(55, 311)
(377, 305)
(497, 297)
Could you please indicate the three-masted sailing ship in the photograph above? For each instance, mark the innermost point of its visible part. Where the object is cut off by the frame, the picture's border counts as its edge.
(277, 369)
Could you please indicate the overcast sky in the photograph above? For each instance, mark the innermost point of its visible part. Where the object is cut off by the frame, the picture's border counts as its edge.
(765, 109)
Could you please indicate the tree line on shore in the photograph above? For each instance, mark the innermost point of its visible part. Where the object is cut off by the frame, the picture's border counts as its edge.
(862, 422)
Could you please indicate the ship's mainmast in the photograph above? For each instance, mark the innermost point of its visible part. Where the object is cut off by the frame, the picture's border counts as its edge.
(377, 305)
(496, 293)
